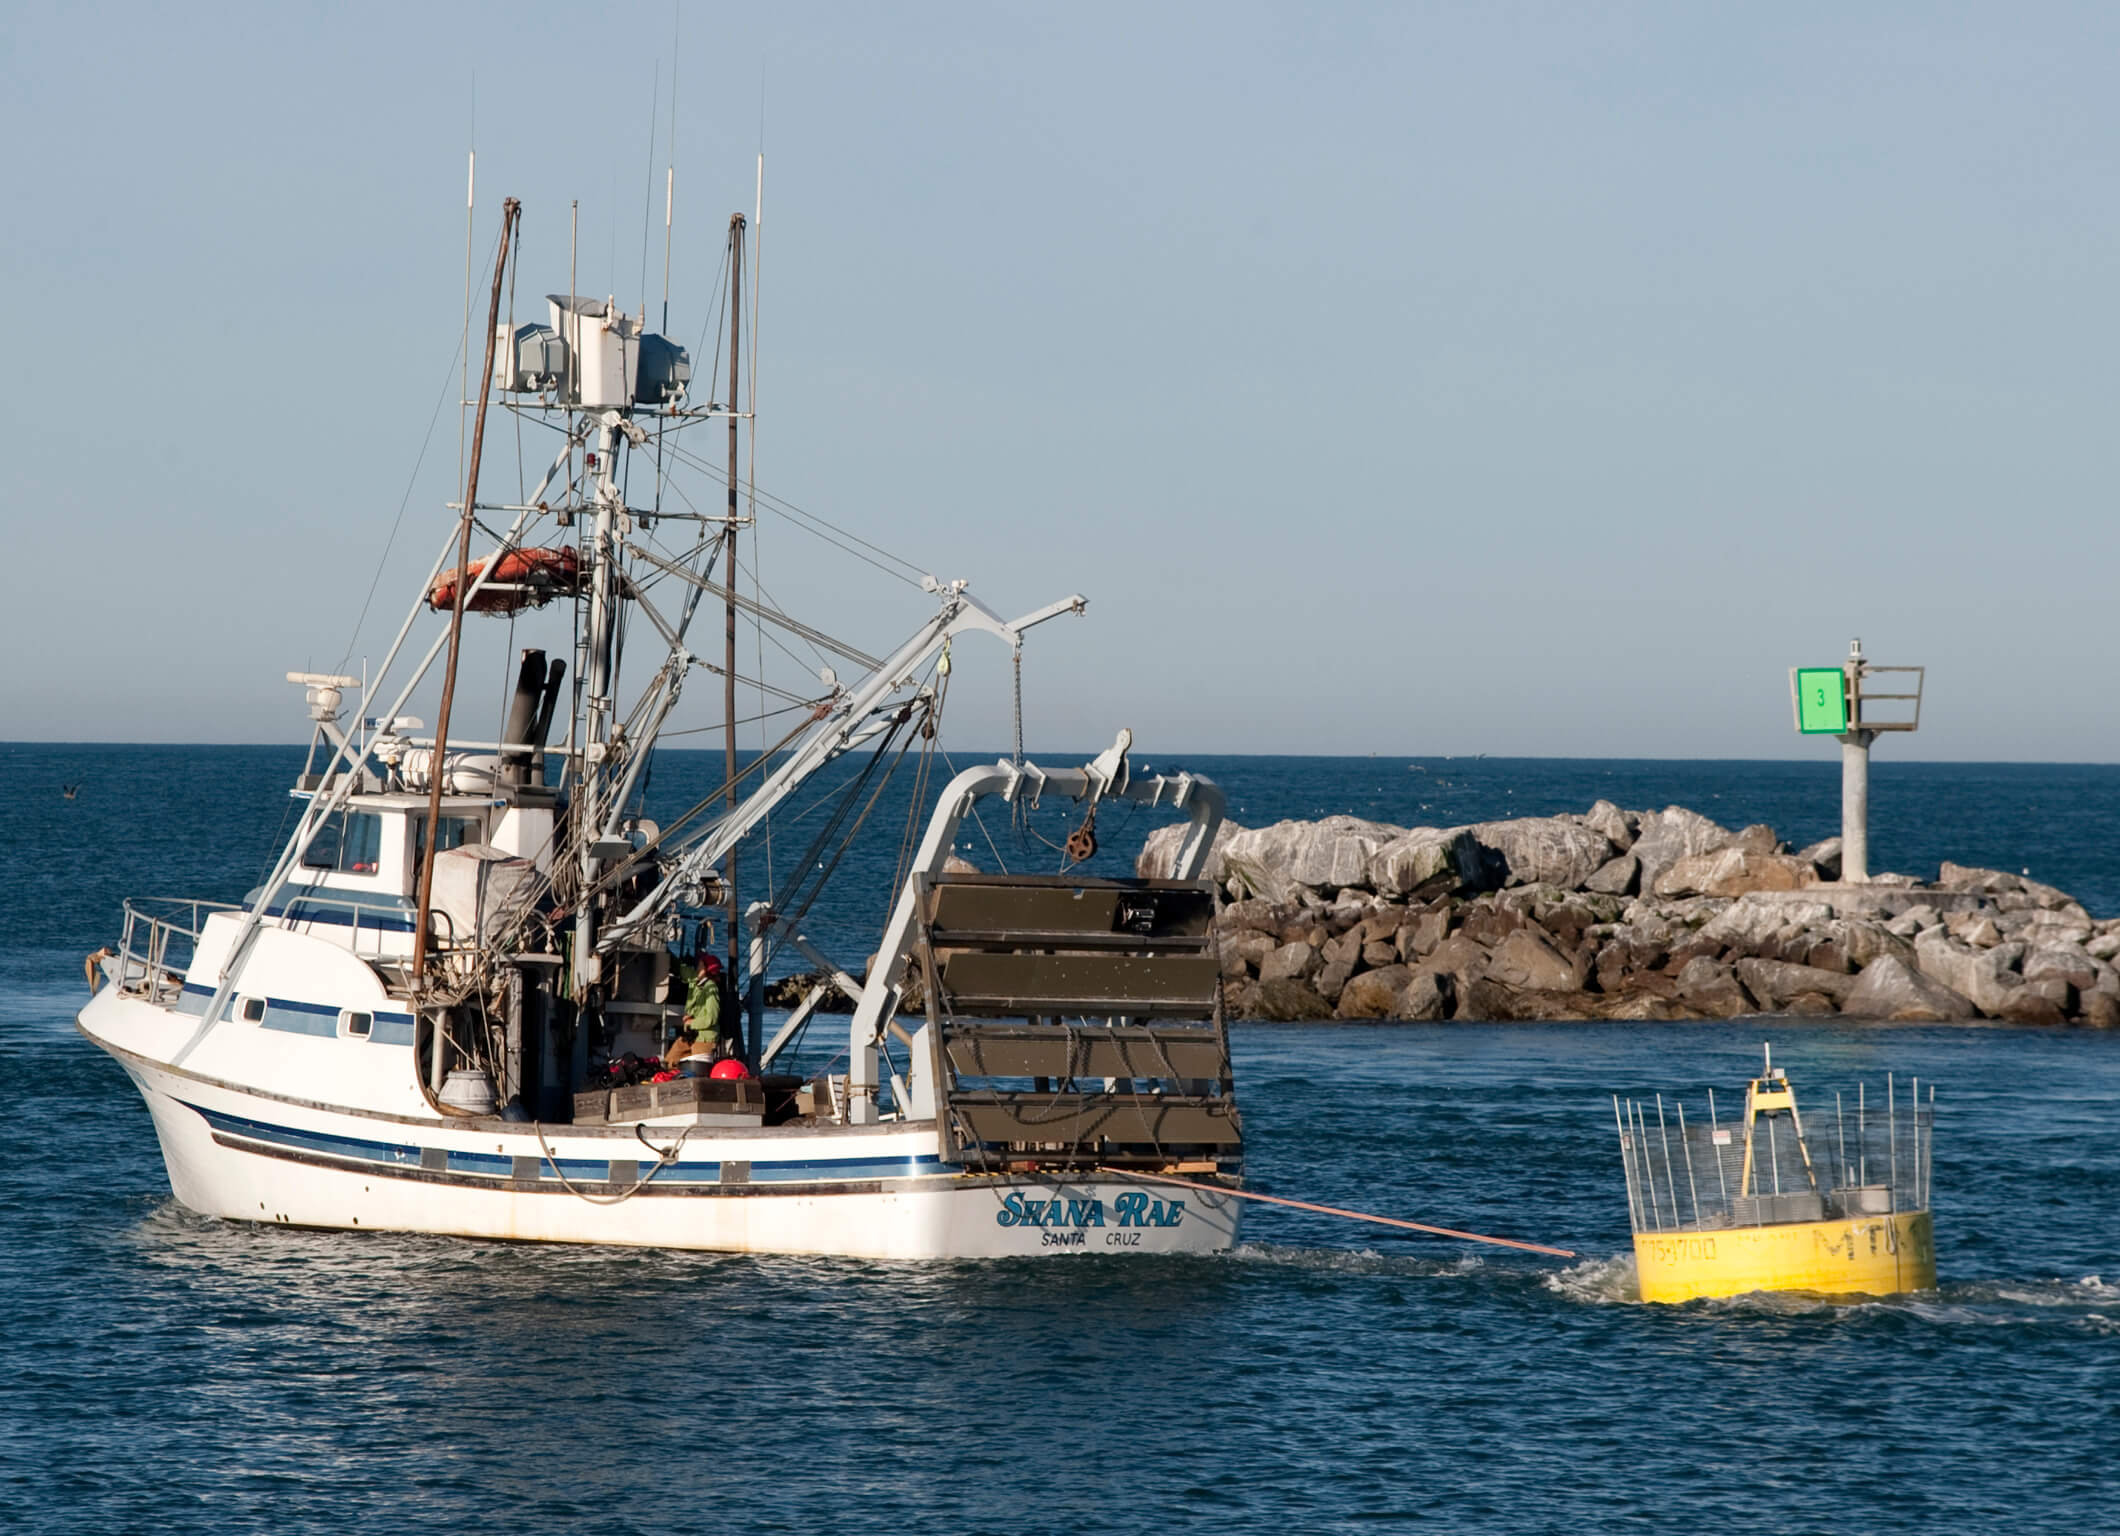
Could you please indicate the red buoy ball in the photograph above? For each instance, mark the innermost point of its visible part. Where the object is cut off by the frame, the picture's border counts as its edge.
(730, 1067)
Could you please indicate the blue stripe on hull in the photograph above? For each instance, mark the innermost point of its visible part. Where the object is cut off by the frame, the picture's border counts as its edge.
(298, 1018)
(389, 1152)
(501, 1165)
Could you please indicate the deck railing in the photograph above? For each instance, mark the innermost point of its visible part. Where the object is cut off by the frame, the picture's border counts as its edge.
(296, 910)
(160, 934)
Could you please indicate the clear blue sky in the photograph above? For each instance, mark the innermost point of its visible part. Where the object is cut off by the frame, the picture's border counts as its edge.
(1411, 379)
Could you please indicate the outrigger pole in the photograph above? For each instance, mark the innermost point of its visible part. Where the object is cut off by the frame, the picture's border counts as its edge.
(437, 770)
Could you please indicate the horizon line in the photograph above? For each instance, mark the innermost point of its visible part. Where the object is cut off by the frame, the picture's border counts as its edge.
(1322, 757)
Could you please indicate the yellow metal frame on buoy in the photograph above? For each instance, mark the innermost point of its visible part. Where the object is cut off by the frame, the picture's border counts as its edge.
(1875, 1255)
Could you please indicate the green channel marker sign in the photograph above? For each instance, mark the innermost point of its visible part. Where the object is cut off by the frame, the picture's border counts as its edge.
(1821, 701)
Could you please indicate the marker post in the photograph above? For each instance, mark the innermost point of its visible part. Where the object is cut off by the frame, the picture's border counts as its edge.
(1832, 701)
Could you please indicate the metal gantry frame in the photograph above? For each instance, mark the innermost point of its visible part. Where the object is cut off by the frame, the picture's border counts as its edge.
(1107, 777)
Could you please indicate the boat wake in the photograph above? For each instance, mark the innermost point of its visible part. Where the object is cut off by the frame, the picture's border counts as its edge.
(1600, 1282)
(2088, 1304)
(1355, 1261)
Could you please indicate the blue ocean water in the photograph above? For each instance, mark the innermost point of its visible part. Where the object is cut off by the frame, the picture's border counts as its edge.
(162, 1371)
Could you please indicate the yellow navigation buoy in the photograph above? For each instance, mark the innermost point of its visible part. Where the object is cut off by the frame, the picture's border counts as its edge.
(1719, 1211)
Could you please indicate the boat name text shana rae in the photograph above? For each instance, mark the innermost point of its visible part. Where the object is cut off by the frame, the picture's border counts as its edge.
(1132, 1209)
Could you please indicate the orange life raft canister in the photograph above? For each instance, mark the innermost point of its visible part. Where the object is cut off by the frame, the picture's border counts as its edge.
(524, 578)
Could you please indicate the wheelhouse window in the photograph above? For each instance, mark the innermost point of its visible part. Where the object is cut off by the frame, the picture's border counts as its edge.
(349, 842)
(356, 1026)
(450, 832)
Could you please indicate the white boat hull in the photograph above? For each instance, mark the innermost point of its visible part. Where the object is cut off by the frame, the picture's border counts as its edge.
(867, 1192)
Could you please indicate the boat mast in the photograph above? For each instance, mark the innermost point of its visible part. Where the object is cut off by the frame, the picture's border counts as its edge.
(437, 764)
(736, 227)
(600, 710)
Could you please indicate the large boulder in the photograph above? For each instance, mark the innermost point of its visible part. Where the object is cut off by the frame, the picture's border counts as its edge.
(2039, 929)
(1756, 925)
(1673, 834)
(1712, 987)
(1889, 988)
(1757, 838)
(1528, 963)
(1735, 871)
(1291, 962)
(1779, 983)
(1619, 827)
(1425, 998)
(1616, 877)
(2028, 1005)
(1986, 977)
(1865, 943)
(1285, 1001)
(1331, 977)
(1263, 916)
(1546, 850)
(2071, 962)
(1290, 857)
(1824, 857)
(1458, 956)
(1999, 883)
(1971, 877)
(1642, 1006)
(1243, 951)
(1158, 857)
(1914, 919)
(1374, 994)
(1420, 936)
(1434, 860)
(1489, 999)
(1976, 928)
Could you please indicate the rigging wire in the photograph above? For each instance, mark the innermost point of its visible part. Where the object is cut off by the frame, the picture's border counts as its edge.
(758, 623)
(719, 311)
(441, 398)
(1000, 864)
(816, 874)
(824, 528)
(930, 733)
(808, 706)
(760, 587)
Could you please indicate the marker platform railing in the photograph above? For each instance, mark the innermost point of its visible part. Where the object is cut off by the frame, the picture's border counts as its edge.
(1866, 1157)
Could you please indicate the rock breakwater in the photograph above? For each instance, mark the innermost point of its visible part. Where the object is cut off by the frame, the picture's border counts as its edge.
(1617, 914)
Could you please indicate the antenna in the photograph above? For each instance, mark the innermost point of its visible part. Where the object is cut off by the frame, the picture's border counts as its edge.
(463, 397)
(647, 194)
(670, 174)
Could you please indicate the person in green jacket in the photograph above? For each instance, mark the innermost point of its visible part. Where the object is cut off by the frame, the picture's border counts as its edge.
(703, 1006)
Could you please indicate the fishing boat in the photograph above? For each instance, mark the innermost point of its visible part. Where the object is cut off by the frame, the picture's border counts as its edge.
(453, 1004)
(1722, 1210)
